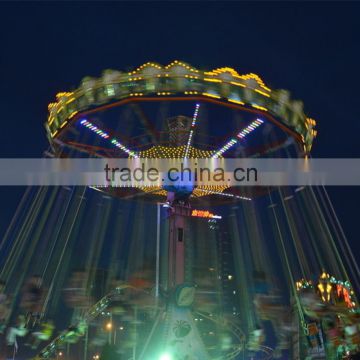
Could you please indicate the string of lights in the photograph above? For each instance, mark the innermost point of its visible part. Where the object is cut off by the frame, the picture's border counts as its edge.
(196, 112)
(105, 135)
(94, 128)
(225, 194)
(241, 135)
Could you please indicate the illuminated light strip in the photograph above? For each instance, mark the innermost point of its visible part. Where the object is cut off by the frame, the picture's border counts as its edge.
(196, 112)
(250, 128)
(105, 135)
(212, 80)
(61, 94)
(259, 107)
(225, 194)
(73, 114)
(123, 148)
(70, 101)
(212, 95)
(226, 147)
(236, 102)
(94, 128)
(237, 83)
(262, 93)
(241, 135)
(63, 124)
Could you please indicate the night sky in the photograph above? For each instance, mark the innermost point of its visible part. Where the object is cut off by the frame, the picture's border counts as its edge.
(311, 49)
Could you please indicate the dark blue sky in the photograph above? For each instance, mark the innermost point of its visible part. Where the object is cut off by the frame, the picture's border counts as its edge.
(312, 49)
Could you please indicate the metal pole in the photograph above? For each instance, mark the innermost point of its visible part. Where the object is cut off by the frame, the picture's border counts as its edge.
(135, 335)
(86, 343)
(157, 282)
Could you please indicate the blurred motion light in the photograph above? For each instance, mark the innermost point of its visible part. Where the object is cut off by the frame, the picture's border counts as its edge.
(241, 135)
(165, 356)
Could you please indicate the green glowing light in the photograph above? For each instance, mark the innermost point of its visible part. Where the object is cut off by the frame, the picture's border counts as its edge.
(165, 357)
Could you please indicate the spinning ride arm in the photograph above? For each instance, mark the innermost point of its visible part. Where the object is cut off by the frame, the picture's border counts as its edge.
(90, 315)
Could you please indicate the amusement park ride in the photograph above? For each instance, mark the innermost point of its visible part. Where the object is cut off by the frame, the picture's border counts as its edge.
(85, 123)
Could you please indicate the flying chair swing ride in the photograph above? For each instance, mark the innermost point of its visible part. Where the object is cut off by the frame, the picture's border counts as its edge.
(178, 111)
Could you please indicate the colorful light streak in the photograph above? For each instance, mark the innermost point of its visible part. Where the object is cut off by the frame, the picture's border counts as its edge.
(204, 214)
(241, 135)
(94, 129)
(225, 194)
(124, 148)
(250, 128)
(196, 112)
(105, 135)
(226, 147)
